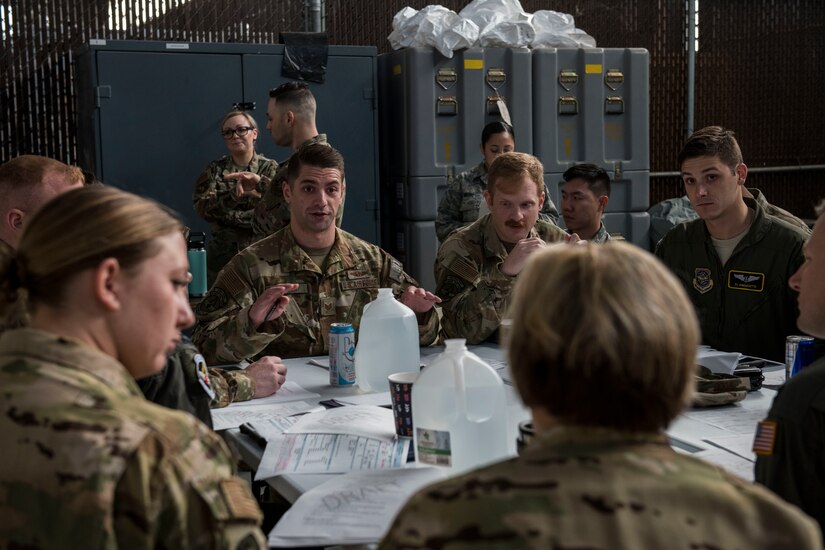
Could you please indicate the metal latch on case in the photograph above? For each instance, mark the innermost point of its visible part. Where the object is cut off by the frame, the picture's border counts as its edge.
(447, 105)
(614, 105)
(496, 77)
(493, 104)
(446, 77)
(568, 79)
(568, 105)
(613, 79)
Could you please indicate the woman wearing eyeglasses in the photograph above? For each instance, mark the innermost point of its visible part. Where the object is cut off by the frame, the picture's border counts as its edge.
(228, 190)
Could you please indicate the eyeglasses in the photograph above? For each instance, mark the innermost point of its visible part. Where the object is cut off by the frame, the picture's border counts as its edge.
(240, 131)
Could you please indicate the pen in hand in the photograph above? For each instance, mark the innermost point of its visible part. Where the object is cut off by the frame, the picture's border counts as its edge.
(271, 309)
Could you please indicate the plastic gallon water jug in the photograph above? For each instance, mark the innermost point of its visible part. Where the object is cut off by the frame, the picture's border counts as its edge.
(459, 411)
(387, 342)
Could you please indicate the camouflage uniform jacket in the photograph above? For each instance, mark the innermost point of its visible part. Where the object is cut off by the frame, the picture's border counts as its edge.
(462, 200)
(599, 489)
(230, 217)
(474, 292)
(272, 212)
(13, 312)
(89, 463)
(353, 274)
(601, 236)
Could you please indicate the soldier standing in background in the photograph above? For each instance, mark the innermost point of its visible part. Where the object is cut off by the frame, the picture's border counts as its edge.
(329, 274)
(477, 266)
(228, 190)
(290, 119)
(602, 350)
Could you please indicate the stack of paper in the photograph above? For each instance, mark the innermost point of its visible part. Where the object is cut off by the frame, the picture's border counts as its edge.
(339, 440)
(356, 508)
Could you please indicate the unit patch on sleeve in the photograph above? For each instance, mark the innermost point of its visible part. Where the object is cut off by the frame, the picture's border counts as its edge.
(701, 279)
(746, 280)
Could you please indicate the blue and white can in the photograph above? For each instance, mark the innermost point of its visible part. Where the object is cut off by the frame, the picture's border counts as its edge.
(341, 354)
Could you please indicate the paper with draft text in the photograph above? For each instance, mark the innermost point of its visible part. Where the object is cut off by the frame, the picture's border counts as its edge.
(356, 508)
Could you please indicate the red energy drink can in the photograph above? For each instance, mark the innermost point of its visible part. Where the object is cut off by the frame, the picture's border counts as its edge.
(341, 351)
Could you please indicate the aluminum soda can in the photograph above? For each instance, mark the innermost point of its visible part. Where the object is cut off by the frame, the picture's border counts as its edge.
(794, 364)
(341, 351)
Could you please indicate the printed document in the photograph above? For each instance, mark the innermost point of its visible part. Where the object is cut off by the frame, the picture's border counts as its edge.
(356, 508)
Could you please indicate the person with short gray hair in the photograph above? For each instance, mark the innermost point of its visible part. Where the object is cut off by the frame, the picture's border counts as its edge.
(602, 350)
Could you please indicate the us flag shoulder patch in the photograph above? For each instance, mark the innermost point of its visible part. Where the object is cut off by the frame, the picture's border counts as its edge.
(765, 438)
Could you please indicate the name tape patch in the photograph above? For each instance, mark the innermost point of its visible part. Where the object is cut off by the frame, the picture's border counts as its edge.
(746, 280)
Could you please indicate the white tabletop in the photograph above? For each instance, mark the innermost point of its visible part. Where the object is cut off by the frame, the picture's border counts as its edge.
(316, 379)
(718, 434)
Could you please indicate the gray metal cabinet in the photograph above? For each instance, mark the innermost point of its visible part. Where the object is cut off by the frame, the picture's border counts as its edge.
(149, 114)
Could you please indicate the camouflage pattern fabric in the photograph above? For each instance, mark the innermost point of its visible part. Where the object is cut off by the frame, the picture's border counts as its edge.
(714, 389)
(474, 292)
(230, 386)
(272, 212)
(230, 217)
(598, 489)
(13, 310)
(602, 236)
(461, 203)
(89, 463)
(353, 273)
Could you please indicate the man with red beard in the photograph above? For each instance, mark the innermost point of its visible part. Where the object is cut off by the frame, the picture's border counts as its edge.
(477, 265)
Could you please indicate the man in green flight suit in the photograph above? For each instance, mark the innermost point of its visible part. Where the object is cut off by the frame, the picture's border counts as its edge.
(735, 260)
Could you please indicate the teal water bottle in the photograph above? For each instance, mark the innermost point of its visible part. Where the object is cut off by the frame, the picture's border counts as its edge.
(196, 250)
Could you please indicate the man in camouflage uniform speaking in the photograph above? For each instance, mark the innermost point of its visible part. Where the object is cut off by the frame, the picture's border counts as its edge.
(329, 274)
(477, 265)
(290, 119)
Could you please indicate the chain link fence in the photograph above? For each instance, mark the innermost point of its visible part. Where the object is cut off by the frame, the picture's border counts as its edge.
(760, 68)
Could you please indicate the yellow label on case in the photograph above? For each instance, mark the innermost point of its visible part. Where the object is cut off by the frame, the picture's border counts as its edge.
(473, 63)
(593, 68)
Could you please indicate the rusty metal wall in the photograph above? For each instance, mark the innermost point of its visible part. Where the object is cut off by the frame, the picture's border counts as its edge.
(760, 68)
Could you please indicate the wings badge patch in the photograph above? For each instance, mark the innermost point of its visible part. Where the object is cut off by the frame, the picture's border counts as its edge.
(746, 280)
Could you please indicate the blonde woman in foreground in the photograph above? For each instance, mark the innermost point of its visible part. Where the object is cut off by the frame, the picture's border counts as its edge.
(87, 461)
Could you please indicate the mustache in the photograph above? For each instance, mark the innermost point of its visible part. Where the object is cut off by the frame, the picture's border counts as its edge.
(515, 224)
